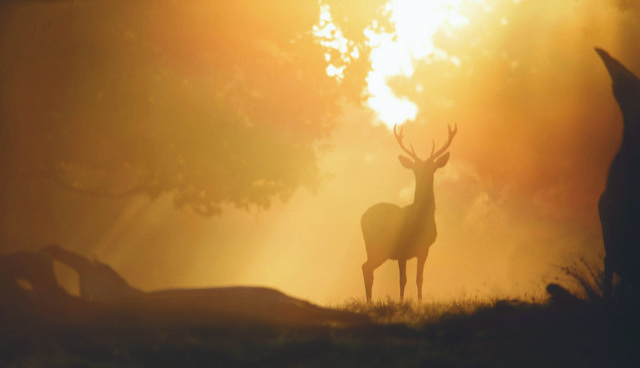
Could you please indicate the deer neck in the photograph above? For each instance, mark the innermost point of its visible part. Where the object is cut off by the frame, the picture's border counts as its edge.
(424, 204)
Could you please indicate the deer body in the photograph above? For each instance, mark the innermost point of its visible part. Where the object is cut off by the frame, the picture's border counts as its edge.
(402, 233)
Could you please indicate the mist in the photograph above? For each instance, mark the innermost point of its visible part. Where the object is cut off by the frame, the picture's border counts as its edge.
(537, 128)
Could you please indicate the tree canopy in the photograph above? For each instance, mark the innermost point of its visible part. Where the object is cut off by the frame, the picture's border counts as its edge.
(211, 102)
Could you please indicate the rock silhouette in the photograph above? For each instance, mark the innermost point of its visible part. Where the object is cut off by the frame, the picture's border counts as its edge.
(619, 204)
(106, 297)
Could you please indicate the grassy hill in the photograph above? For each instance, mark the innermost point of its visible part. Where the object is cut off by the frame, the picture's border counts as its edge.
(464, 334)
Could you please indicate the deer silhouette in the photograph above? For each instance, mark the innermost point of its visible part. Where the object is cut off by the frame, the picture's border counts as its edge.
(619, 204)
(402, 233)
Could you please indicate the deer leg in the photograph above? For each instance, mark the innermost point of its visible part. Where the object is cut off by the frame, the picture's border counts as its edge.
(402, 265)
(367, 272)
(420, 274)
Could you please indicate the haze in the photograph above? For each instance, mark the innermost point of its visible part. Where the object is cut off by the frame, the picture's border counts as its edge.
(537, 128)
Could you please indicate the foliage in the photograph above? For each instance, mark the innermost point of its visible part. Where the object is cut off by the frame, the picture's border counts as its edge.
(588, 277)
(212, 102)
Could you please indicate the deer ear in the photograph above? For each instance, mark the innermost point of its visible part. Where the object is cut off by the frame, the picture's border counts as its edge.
(442, 160)
(406, 162)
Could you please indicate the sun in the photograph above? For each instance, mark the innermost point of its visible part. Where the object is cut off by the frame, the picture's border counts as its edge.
(396, 54)
(416, 23)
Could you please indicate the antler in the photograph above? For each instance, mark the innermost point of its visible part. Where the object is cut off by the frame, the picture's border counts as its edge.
(452, 133)
(399, 138)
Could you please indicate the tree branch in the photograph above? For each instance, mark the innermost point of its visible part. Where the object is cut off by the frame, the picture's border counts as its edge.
(53, 177)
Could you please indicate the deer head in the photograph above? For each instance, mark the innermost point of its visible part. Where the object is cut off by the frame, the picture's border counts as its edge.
(424, 169)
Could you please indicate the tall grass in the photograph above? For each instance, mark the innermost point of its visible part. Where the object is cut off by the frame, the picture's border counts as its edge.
(390, 311)
(587, 278)
(584, 278)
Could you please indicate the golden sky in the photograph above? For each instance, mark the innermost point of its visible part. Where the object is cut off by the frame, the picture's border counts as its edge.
(537, 127)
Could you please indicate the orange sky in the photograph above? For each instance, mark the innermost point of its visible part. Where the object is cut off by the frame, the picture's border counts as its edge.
(517, 197)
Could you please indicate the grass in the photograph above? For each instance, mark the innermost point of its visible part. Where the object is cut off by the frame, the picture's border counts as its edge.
(585, 278)
(466, 333)
(469, 332)
(581, 279)
(390, 311)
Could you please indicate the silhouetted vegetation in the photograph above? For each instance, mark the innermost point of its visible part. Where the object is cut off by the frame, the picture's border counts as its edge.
(237, 327)
(213, 103)
(389, 311)
(496, 334)
(587, 277)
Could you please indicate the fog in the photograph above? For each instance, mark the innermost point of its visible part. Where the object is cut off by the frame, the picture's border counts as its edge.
(537, 128)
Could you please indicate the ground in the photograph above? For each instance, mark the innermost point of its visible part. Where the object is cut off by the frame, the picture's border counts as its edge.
(489, 334)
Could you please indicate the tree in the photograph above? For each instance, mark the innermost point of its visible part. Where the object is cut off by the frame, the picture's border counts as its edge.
(210, 102)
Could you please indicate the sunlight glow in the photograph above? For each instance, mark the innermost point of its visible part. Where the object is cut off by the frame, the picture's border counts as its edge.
(331, 37)
(416, 22)
(393, 54)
